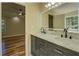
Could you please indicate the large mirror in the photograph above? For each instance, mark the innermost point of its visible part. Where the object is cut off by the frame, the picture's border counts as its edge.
(63, 16)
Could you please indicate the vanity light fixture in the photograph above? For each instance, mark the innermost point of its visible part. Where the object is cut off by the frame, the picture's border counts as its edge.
(53, 4)
(48, 5)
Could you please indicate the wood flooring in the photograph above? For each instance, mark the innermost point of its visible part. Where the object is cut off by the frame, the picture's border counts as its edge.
(14, 46)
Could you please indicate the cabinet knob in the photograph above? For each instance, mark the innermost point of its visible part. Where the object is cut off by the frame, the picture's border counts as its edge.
(61, 35)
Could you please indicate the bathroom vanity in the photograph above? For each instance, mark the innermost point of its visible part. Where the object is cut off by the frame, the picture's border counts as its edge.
(50, 45)
(62, 43)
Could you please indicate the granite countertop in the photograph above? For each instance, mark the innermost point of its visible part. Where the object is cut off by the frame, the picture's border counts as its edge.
(72, 44)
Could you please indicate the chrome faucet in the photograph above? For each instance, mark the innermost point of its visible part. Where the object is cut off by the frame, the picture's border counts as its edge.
(43, 30)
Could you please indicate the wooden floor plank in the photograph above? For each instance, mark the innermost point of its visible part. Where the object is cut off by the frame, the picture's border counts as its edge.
(14, 46)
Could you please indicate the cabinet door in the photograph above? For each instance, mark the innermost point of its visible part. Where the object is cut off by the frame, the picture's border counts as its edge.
(34, 45)
(67, 52)
(43, 47)
(52, 51)
(55, 52)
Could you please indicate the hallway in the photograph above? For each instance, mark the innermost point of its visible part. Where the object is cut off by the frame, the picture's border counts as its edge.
(13, 29)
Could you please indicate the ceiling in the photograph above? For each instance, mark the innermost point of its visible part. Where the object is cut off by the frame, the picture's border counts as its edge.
(65, 8)
(21, 3)
(11, 9)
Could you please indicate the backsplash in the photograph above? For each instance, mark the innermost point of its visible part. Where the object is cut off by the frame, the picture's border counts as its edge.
(74, 35)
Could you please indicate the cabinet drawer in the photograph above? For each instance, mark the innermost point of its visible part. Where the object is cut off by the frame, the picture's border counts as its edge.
(66, 51)
(52, 51)
(43, 43)
(43, 52)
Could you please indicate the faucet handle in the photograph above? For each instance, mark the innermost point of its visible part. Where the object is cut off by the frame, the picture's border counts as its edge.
(70, 37)
(61, 35)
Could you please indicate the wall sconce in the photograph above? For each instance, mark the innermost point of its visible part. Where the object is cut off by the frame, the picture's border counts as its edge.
(20, 12)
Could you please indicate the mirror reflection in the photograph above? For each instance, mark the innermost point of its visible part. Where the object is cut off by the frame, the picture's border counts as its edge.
(63, 16)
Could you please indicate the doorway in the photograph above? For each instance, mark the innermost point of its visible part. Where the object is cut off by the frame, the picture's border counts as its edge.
(13, 29)
(50, 21)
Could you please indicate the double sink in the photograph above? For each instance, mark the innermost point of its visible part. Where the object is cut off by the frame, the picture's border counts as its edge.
(56, 38)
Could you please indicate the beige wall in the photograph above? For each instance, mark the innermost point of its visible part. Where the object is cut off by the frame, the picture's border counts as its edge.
(33, 23)
(58, 20)
(33, 17)
(45, 18)
(14, 27)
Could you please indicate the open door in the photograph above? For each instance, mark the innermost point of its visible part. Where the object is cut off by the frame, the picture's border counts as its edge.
(13, 29)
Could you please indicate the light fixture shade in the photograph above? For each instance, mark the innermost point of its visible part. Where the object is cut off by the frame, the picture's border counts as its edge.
(20, 12)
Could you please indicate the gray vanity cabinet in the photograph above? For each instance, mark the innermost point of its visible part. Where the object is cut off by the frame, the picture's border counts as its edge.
(38, 46)
(35, 45)
(41, 47)
(52, 51)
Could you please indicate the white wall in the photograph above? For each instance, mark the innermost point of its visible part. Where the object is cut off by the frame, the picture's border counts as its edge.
(33, 23)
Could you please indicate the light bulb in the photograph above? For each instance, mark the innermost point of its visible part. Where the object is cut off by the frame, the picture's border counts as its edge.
(53, 3)
(56, 5)
(49, 4)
